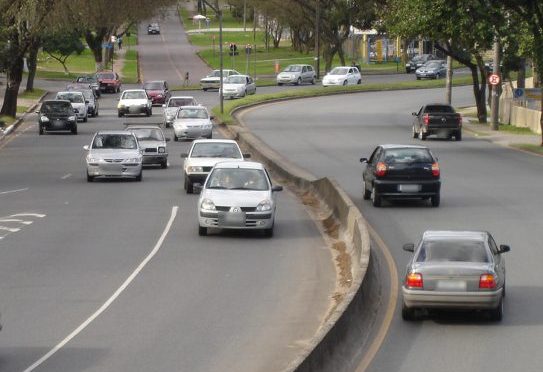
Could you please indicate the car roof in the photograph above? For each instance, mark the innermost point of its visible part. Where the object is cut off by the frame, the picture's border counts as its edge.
(240, 164)
(192, 107)
(154, 81)
(69, 91)
(455, 234)
(54, 101)
(134, 90)
(213, 141)
(112, 131)
(393, 146)
(185, 97)
(142, 126)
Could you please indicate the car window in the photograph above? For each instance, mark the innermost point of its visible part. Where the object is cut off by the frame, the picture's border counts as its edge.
(134, 95)
(492, 245)
(72, 97)
(237, 179)
(292, 68)
(215, 150)
(216, 73)
(407, 155)
(234, 79)
(439, 108)
(114, 141)
(452, 250)
(309, 68)
(148, 134)
(375, 155)
(339, 71)
(192, 113)
(178, 102)
(153, 85)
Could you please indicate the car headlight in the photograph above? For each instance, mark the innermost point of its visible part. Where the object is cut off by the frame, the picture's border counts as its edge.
(93, 159)
(72, 118)
(264, 205)
(195, 169)
(207, 205)
(159, 95)
(178, 125)
(132, 160)
(162, 150)
(120, 105)
(44, 118)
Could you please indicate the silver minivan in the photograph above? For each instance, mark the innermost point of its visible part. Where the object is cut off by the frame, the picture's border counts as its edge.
(297, 74)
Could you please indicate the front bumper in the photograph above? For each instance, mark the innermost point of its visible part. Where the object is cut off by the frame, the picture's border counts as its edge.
(234, 94)
(210, 84)
(58, 124)
(329, 83)
(155, 100)
(192, 133)
(285, 80)
(391, 189)
(114, 170)
(451, 300)
(241, 220)
(426, 75)
(155, 158)
(133, 110)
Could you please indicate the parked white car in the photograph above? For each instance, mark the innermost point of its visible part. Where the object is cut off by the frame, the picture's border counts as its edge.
(297, 74)
(342, 75)
(79, 104)
(238, 195)
(213, 80)
(192, 122)
(238, 86)
(172, 106)
(202, 157)
(134, 102)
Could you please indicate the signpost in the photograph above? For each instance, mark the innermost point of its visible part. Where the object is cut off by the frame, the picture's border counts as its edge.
(494, 79)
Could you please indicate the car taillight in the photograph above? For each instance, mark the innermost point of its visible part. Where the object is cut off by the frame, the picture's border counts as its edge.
(459, 117)
(380, 169)
(487, 281)
(426, 119)
(435, 169)
(414, 280)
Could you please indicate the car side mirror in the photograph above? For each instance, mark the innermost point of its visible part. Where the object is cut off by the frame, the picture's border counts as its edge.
(86, 147)
(212, 117)
(504, 248)
(363, 160)
(414, 113)
(184, 155)
(409, 247)
(277, 188)
(246, 155)
(197, 188)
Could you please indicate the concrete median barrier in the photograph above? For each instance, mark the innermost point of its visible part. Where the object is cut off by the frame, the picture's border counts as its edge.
(326, 349)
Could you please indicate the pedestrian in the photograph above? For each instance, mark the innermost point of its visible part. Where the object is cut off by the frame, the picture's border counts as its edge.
(120, 42)
(186, 82)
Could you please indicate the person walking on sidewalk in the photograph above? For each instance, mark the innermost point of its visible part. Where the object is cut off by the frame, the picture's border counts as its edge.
(120, 42)
(186, 82)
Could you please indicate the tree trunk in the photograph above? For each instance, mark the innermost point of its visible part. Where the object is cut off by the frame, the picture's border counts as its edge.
(341, 54)
(14, 78)
(32, 63)
(479, 93)
(521, 78)
(94, 41)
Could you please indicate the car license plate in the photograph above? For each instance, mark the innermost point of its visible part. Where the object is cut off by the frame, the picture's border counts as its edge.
(409, 188)
(232, 219)
(451, 285)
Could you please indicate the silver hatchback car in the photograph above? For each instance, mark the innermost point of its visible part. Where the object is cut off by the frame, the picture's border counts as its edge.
(455, 270)
(114, 154)
(238, 195)
(297, 74)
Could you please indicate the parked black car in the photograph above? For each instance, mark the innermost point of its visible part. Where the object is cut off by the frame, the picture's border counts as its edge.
(437, 118)
(417, 61)
(401, 172)
(57, 115)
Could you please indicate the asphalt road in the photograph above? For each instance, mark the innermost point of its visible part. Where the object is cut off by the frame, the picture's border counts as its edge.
(485, 187)
(223, 302)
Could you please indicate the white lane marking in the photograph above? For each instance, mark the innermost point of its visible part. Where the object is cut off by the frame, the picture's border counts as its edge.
(112, 298)
(11, 191)
(28, 215)
(66, 176)
(10, 229)
(16, 220)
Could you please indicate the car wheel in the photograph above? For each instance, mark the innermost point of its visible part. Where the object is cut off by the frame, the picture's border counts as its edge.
(89, 178)
(418, 78)
(375, 197)
(497, 313)
(359, 81)
(74, 130)
(268, 233)
(202, 231)
(139, 177)
(367, 193)
(408, 314)
(345, 83)
(204, 89)
(40, 129)
(164, 164)
(299, 81)
(422, 135)
(96, 113)
(279, 84)
(85, 119)
(175, 138)
(118, 89)
(458, 136)
(415, 134)
(435, 200)
(189, 186)
(120, 114)
(313, 81)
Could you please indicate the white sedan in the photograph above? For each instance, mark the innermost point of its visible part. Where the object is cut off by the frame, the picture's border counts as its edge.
(134, 101)
(237, 86)
(192, 122)
(343, 75)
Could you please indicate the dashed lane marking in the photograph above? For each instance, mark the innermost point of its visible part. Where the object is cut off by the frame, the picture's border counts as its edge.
(12, 191)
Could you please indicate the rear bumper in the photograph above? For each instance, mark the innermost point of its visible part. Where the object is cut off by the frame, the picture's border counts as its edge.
(391, 189)
(451, 300)
(154, 158)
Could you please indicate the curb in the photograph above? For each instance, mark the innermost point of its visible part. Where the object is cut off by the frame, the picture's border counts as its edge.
(9, 130)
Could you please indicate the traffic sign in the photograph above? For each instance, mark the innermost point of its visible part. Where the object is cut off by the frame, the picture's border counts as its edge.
(494, 79)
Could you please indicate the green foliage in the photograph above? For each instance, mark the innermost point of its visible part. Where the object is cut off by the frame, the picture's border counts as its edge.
(62, 44)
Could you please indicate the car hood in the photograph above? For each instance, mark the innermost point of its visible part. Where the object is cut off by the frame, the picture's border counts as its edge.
(235, 198)
(212, 78)
(107, 80)
(233, 86)
(151, 144)
(115, 153)
(78, 105)
(133, 101)
(205, 162)
(191, 121)
(170, 110)
(155, 92)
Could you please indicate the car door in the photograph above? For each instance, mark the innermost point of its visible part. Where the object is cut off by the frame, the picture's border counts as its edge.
(369, 173)
(499, 262)
(305, 75)
(417, 119)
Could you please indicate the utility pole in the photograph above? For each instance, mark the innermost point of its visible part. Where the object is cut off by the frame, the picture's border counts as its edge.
(254, 41)
(221, 96)
(448, 81)
(317, 46)
(244, 15)
(495, 103)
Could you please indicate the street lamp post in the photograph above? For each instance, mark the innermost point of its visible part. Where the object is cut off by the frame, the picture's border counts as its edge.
(317, 46)
(221, 96)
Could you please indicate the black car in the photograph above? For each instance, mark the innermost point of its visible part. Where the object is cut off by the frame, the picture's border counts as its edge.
(153, 28)
(57, 115)
(417, 61)
(401, 172)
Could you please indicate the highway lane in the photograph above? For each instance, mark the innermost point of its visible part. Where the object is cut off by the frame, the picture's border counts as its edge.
(484, 187)
(222, 302)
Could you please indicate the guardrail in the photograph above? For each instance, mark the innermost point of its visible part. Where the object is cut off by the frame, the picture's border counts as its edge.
(324, 350)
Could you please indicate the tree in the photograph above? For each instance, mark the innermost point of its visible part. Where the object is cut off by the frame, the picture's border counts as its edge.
(61, 45)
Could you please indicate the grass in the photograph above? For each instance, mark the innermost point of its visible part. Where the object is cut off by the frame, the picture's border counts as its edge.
(22, 109)
(230, 106)
(130, 68)
(7, 120)
(227, 20)
(537, 149)
(34, 94)
(82, 63)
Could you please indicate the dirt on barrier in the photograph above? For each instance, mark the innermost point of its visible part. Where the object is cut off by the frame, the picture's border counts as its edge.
(343, 260)
(331, 226)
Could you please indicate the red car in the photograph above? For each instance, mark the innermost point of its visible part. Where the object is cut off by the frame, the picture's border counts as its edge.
(157, 91)
(109, 81)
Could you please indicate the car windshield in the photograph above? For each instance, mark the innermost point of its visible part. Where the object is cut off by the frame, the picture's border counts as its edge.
(339, 71)
(235, 79)
(439, 108)
(293, 68)
(192, 113)
(134, 95)
(154, 85)
(148, 134)
(456, 250)
(178, 102)
(238, 179)
(89, 95)
(417, 58)
(56, 108)
(407, 155)
(433, 65)
(107, 76)
(86, 79)
(217, 73)
(114, 141)
(72, 97)
(215, 150)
